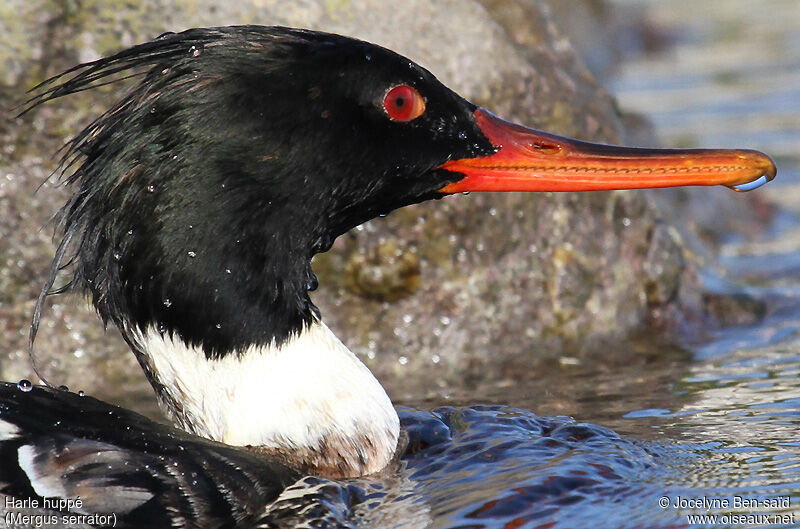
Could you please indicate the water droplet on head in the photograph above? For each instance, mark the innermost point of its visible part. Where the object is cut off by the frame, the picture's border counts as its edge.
(749, 186)
(465, 193)
(367, 56)
(192, 254)
(117, 253)
(403, 360)
(167, 302)
(63, 388)
(81, 393)
(151, 188)
(195, 51)
(24, 385)
(162, 328)
(313, 283)
(228, 271)
(462, 135)
(218, 326)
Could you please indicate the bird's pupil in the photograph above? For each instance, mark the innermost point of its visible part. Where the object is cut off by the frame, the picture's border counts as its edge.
(400, 102)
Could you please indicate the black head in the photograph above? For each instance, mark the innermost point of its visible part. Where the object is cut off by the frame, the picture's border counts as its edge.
(202, 195)
(243, 151)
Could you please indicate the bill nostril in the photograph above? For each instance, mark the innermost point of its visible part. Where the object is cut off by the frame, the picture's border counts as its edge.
(545, 148)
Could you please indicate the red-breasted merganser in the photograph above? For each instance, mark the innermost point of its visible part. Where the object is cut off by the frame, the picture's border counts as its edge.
(202, 195)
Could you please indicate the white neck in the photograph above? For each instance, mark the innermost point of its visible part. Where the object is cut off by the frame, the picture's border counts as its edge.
(310, 401)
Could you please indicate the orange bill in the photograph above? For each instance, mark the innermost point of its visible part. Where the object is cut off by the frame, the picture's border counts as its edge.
(531, 160)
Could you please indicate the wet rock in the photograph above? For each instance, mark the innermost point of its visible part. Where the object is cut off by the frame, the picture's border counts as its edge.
(386, 273)
(664, 266)
(477, 279)
(735, 308)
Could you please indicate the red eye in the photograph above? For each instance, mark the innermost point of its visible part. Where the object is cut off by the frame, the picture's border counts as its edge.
(404, 103)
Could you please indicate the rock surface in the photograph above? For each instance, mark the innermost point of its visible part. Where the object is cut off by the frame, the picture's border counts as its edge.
(440, 293)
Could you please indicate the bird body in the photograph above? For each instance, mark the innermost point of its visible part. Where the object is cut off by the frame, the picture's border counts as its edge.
(202, 196)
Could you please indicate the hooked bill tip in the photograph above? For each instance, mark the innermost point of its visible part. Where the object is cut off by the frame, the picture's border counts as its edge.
(765, 171)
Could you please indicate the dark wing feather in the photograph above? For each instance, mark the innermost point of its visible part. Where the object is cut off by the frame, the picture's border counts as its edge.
(57, 444)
